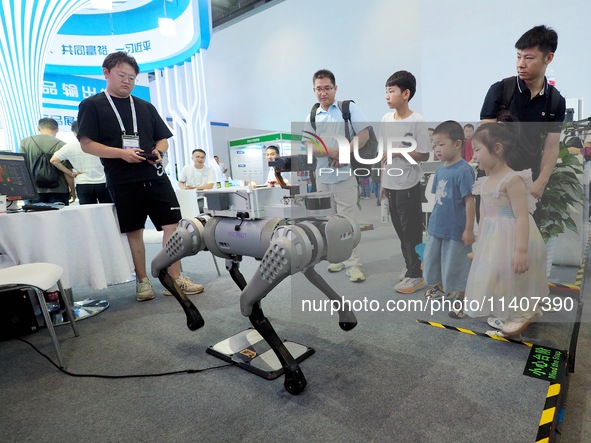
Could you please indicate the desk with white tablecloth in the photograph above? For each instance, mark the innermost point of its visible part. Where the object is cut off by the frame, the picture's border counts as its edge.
(83, 239)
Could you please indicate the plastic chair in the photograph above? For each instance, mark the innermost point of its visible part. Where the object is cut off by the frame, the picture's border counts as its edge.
(40, 277)
(430, 204)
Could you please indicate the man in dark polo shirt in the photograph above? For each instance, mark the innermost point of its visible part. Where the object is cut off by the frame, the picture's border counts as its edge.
(532, 104)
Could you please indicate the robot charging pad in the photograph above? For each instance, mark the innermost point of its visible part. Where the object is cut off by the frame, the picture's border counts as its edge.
(251, 352)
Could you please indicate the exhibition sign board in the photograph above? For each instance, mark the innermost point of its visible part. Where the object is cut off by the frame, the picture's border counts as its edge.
(61, 95)
(85, 39)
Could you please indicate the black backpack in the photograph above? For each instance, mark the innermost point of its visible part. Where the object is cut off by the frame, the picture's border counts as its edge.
(45, 175)
(552, 104)
(369, 151)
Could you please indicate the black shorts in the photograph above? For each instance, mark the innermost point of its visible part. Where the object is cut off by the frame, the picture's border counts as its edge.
(137, 201)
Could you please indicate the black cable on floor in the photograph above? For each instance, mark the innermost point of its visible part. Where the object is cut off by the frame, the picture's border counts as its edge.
(162, 374)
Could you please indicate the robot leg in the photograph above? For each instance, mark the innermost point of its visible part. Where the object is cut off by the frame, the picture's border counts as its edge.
(347, 319)
(343, 244)
(185, 241)
(288, 253)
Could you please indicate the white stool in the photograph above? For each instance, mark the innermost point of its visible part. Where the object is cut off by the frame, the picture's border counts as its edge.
(40, 277)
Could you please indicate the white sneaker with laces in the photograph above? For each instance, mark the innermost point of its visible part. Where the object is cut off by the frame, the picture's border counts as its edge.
(355, 274)
(144, 290)
(188, 286)
(336, 267)
(410, 285)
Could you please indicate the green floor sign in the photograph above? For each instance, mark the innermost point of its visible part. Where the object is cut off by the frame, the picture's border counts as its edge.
(546, 363)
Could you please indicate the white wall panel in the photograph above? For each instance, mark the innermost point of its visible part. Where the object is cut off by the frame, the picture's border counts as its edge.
(259, 69)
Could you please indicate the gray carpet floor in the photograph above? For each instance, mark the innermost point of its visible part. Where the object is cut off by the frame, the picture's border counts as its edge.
(391, 379)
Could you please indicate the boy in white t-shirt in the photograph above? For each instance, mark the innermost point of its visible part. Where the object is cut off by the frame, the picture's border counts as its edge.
(197, 176)
(400, 179)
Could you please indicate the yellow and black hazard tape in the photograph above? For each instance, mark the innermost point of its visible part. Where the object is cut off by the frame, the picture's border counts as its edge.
(565, 287)
(549, 413)
(481, 334)
(576, 287)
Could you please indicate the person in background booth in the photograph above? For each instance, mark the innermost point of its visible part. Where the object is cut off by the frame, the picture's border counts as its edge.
(91, 183)
(220, 164)
(46, 142)
(467, 150)
(271, 153)
(121, 129)
(197, 176)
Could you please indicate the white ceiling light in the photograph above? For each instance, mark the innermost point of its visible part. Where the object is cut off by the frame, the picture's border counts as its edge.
(106, 5)
(166, 26)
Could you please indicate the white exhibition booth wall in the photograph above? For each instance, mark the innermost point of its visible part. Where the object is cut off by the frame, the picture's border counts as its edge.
(259, 70)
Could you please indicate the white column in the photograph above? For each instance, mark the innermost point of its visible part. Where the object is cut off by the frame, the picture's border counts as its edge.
(26, 29)
(181, 97)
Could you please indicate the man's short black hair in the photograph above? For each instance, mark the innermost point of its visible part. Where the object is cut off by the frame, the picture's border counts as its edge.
(198, 150)
(541, 36)
(404, 80)
(274, 148)
(452, 129)
(324, 73)
(48, 123)
(115, 58)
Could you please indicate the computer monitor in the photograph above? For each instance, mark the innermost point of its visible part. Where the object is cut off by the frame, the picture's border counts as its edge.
(16, 182)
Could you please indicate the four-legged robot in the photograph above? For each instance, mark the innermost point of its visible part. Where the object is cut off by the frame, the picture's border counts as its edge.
(284, 246)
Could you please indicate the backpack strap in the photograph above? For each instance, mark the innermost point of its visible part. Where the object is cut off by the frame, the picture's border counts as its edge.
(36, 144)
(508, 91)
(552, 103)
(313, 115)
(346, 112)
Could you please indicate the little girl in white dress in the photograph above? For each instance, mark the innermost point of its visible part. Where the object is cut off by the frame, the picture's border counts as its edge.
(508, 274)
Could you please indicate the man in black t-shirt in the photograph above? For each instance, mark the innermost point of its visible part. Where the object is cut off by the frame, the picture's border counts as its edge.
(531, 104)
(120, 128)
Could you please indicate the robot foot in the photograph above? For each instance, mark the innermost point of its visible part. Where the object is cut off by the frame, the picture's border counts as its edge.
(294, 381)
(347, 325)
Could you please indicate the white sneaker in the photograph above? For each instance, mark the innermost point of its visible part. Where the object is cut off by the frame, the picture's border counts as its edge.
(336, 267)
(188, 286)
(355, 274)
(495, 322)
(520, 324)
(144, 290)
(410, 285)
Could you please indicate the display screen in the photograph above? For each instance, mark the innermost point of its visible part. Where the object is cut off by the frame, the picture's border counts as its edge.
(15, 178)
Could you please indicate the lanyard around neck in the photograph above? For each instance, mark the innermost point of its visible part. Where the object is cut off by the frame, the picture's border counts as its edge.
(133, 116)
